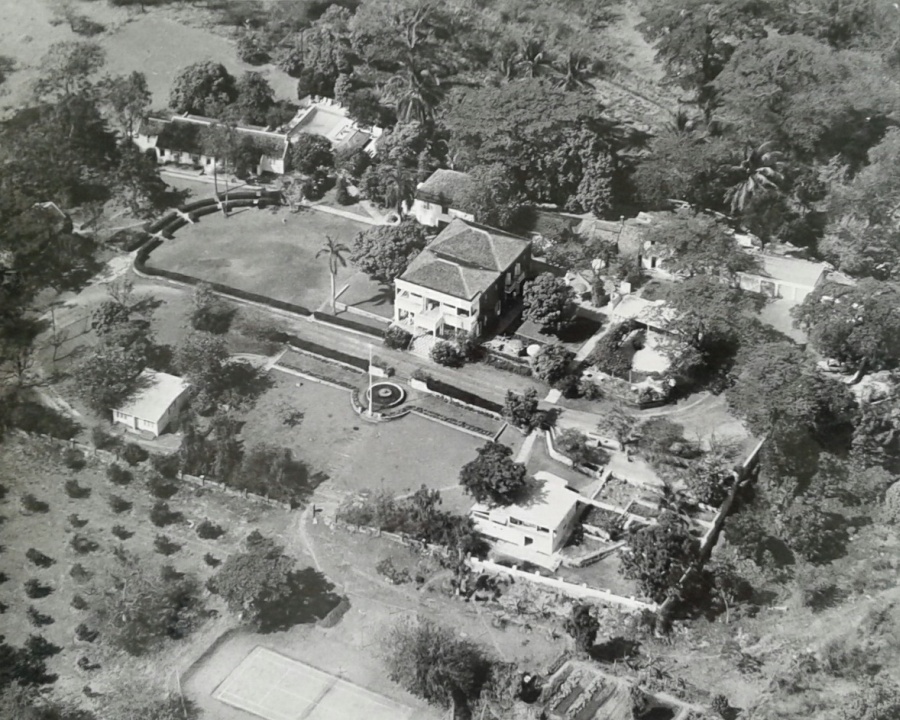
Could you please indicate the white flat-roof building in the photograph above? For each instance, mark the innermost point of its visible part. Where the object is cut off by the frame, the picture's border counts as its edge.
(155, 405)
(541, 523)
(784, 277)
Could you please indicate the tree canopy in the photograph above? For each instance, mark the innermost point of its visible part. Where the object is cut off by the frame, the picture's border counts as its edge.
(854, 323)
(383, 252)
(548, 302)
(493, 477)
(203, 88)
(658, 555)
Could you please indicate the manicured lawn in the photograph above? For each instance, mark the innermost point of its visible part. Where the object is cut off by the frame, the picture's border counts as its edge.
(369, 295)
(397, 456)
(270, 252)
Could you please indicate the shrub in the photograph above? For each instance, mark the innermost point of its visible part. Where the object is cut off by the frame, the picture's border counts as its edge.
(354, 162)
(85, 634)
(118, 475)
(35, 589)
(166, 465)
(76, 522)
(134, 454)
(209, 530)
(395, 576)
(119, 504)
(589, 390)
(31, 504)
(160, 487)
(551, 364)
(420, 375)
(121, 532)
(161, 514)
(521, 411)
(79, 603)
(447, 354)
(37, 618)
(613, 354)
(211, 560)
(74, 459)
(720, 706)
(252, 48)
(84, 26)
(102, 439)
(342, 195)
(79, 574)
(33, 417)
(397, 338)
(168, 573)
(75, 491)
(164, 545)
(82, 545)
(36, 557)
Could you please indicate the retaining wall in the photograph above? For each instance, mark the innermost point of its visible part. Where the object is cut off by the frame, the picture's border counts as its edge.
(578, 592)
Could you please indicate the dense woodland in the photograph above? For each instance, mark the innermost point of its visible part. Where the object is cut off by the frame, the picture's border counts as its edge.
(785, 123)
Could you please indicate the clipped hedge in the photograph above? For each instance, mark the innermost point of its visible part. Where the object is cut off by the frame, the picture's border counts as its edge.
(464, 396)
(351, 324)
(160, 223)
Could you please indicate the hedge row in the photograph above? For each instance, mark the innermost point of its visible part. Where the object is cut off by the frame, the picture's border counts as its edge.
(502, 362)
(352, 324)
(326, 352)
(452, 421)
(464, 396)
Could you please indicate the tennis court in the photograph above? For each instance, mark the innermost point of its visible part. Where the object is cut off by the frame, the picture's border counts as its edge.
(276, 687)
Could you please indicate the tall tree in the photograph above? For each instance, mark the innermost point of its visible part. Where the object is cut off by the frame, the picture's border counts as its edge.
(137, 180)
(692, 243)
(493, 477)
(548, 302)
(694, 39)
(128, 97)
(255, 98)
(384, 252)
(494, 196)
(203, 88)
(658, 556)
(336, 253)
(69, 68)
(759, 170)
(856, 324)
(431, 662)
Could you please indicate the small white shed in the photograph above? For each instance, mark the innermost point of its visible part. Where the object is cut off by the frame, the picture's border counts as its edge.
(155, 405)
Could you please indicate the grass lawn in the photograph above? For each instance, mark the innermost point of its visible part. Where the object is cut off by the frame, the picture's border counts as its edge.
(272, 253)
(369, 295)
(30, 466)
(397, 456)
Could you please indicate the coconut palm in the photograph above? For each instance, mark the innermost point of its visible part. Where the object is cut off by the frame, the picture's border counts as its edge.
(399, 185)
(534, 59)
(415, 94)
(573, 72)
(760, 169)
(335, 252)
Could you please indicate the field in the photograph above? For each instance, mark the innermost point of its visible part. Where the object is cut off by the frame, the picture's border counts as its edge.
(272, 253)
(158, 43)
(30, 466)
(397, 456)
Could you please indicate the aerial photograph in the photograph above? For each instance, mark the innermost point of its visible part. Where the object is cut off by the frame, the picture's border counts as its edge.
(450, 360)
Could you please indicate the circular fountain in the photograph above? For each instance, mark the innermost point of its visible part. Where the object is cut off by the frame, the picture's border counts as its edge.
(385, 395)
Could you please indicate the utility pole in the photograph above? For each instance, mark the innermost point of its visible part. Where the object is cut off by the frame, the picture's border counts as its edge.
(370, 379)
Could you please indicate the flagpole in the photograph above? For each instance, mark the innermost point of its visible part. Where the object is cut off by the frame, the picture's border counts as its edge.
(370, 379)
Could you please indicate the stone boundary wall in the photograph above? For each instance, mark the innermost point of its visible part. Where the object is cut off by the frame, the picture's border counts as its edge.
(578, 592)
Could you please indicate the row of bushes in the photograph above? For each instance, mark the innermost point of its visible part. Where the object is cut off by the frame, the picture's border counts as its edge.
(453, 421)
(351, 324)
(456, 393)
(140, 263)
(503, 363)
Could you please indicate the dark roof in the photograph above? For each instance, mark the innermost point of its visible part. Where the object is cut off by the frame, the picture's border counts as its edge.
(552, 224)
(180, 137)
(443, 186)
(464, 259)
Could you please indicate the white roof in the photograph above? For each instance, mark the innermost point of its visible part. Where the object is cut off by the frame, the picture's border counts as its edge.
(791, 270)
(158, 391)
(549, 506)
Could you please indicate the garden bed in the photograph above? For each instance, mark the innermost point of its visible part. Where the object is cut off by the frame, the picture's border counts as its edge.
(320, 368)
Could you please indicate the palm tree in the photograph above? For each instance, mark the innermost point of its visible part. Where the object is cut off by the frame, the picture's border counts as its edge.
(399, 185)
(335, 252)
(415, 93)
(534, 58)
(760, 169)
(573, 72)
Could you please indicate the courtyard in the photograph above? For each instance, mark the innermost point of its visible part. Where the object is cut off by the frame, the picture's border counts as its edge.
(268, 252)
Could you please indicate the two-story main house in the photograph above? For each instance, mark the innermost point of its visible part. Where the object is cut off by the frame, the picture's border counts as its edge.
(466, 279)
